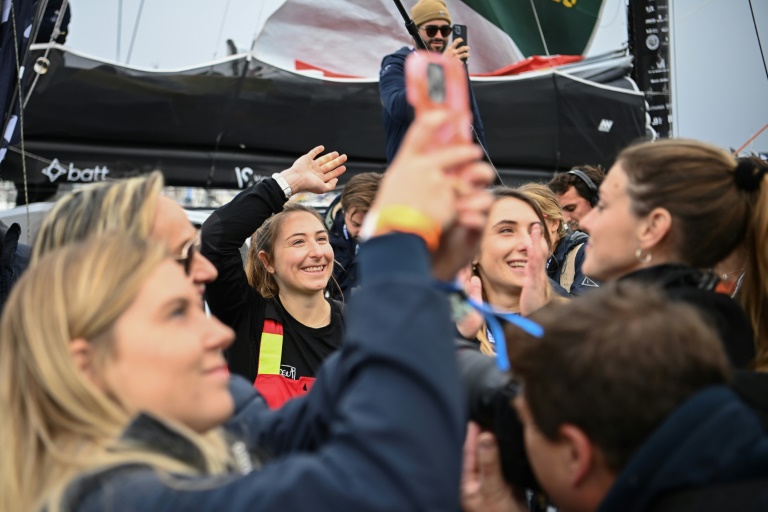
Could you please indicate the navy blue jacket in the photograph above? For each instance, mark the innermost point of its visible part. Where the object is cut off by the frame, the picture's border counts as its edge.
(710, 446)
(556, 263)
(345, 264)
(397, 113)
(379, 431)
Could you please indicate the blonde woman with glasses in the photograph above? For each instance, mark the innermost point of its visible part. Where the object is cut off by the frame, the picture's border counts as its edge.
(116, 396)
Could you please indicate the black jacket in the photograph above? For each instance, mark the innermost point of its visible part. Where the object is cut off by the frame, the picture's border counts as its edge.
(344, 254)
(14, 259)
(694, 287)
(710, 454)
(397, 112)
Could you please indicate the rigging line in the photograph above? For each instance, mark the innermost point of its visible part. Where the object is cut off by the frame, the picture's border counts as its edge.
(35, 29)
(221, 30)
(54, 34)
(21, 117)
(225, 120)
(761, 130)
(673, 100)
(238, 88)
(39, 17)
(119, 29)
(30, 155)
(18, 93)
(759, 43)
(541, 32)
(135, 30)
(695, 9)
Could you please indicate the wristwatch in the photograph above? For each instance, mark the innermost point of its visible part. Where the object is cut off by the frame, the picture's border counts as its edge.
(283, 185)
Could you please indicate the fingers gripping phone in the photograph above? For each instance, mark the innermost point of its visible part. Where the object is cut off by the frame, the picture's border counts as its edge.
(460, 31)
(436, 81)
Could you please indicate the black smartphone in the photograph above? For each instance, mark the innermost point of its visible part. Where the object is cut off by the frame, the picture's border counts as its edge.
(460, 31)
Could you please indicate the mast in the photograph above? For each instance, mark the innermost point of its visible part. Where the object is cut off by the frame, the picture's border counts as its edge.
(649, 42)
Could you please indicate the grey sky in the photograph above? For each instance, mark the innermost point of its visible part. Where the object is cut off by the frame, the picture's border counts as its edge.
(719, 83)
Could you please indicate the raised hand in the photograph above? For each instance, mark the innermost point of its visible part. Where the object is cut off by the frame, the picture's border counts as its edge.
(314, 173)
(470, 325)
(535, 292)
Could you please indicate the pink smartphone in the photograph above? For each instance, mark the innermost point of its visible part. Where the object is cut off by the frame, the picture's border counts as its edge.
(436, 81)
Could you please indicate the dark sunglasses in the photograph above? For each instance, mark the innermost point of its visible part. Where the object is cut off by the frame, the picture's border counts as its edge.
(188, 252)
(431, 30)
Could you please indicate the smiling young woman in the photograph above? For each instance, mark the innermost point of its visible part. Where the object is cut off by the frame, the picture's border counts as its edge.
(511, 262)
(277, 306)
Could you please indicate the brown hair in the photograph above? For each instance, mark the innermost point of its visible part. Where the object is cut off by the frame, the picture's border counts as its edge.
(711, 215)
(615, 363)
(360, 191)
(563, 181)
(264, 240)
(694, 182)
(754, 288)
(547, 202)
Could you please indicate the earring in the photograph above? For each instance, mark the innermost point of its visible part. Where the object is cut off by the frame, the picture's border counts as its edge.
(474, 268)
(643, 259)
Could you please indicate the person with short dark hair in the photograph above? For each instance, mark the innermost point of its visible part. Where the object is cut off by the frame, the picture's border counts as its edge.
(344, 220)
(625, 407)
(577, 192)
(434, 22)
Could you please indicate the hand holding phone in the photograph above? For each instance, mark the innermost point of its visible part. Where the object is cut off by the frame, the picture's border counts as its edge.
(460, 32)
(437, 81)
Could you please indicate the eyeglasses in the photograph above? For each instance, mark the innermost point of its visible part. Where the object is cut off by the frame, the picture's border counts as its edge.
(431, 30)
(188, 252)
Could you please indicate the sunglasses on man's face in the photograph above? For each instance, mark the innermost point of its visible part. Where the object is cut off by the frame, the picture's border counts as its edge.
(431, 30)
(188, 252)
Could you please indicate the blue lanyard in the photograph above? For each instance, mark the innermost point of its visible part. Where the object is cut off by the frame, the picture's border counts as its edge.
(492, 318)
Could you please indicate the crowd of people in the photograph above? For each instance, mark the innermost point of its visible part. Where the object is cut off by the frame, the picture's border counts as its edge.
(326, 375)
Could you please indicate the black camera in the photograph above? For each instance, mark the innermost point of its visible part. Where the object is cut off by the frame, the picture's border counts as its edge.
(489, 396)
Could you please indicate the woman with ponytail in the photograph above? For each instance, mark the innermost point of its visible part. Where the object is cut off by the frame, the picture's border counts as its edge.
(669, 209)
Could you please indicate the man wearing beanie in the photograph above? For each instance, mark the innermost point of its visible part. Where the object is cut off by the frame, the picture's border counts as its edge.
(434, 22)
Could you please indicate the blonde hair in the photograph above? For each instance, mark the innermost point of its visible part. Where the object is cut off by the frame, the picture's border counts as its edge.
(57, 425)
(264, 240)
(547, 202)
(129, 206)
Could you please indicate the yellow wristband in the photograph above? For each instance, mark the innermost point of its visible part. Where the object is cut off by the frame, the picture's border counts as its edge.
(405, 219)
